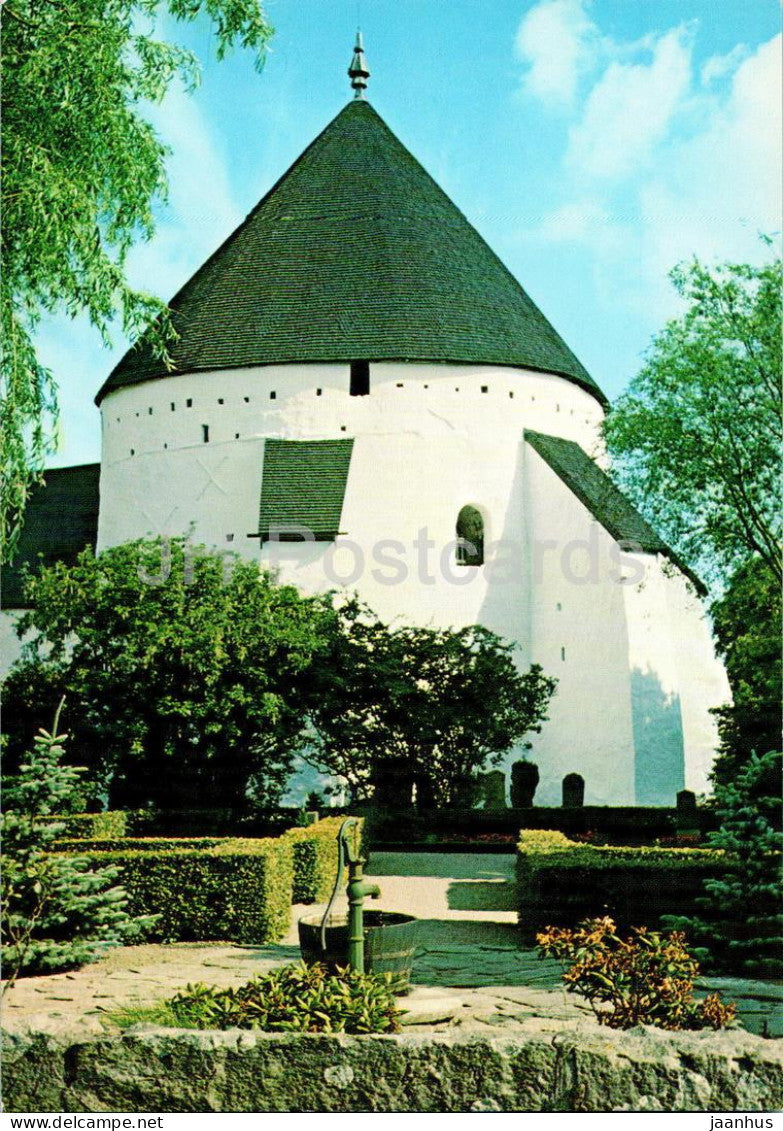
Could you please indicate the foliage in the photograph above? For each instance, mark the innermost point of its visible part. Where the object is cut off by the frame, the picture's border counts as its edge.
(108, 825)
(698, 433)
(295, 998)
(57, 911)
(557, 878)
(187, 672)
(746, 624)
(644, 979)
(406, 706)
(524, 779)
(83, 173)
(315, 859)
(742, 904)
(234, 889)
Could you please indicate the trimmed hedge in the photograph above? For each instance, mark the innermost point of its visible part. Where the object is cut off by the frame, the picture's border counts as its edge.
(560, 882)
(136, 844)
(315, 859)
(110, 825)
(237, 890)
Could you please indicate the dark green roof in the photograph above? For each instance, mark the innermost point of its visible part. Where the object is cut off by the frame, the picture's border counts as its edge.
(60, 520)
(303, 486)
(596, 491)
(355, 254)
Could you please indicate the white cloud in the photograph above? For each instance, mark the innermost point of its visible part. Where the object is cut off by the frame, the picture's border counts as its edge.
(630, 109)
(662, 161)
(557, 41)
(718, 66)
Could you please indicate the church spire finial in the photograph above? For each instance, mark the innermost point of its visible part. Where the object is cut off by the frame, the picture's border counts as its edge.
(358, 71)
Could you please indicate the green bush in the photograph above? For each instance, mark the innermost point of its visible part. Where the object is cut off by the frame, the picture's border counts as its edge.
(56, 911)
(110, 825)
(234, 889)
(315, 859)
(136, 844)
(564, 882)
(296, 998)
(645, 979)
(740, 912)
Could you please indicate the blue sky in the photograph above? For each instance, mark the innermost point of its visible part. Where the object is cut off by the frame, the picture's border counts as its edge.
(593, 143)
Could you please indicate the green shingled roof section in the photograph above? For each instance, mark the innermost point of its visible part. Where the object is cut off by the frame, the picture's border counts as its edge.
(60, 520)
(303, 485)
(355, 253)
(596, 491)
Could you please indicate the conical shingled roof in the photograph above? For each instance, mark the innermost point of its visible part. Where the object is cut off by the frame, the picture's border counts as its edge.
(355, 253)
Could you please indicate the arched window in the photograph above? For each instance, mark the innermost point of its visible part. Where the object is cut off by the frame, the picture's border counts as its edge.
(470, 535)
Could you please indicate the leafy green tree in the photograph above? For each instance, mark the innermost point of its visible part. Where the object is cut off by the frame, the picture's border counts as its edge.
(187, 673)
(82, 172)
(56, 911)
(746, 623)
(424, 707)
(697, 436)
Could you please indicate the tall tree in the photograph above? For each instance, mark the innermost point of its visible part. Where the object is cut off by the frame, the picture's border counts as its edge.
(402, 707)
(82, 170)
(746, 624)
(697, 437)
(186, 673)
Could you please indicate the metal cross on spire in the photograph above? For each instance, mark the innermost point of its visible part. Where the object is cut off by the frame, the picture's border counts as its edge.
(358, 72)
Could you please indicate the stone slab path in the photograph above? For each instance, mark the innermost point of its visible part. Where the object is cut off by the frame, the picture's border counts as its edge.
(470, 971)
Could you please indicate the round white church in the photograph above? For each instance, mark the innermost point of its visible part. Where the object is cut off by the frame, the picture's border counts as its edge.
(365, 397)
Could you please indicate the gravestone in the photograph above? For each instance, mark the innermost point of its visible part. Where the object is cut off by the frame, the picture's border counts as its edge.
(573, 791)
(524, 779)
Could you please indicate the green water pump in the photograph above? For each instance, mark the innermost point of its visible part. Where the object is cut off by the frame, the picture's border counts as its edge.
(358, 890)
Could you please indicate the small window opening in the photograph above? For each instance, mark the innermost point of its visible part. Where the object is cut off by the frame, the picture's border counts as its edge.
(221, 400)
(246, 400)
(426, 386)
(470, 535)
(562, 653)
(205, 433)
(273, 396)
(133, 451)
(400, 385)
(118, 419)
(173, 407)
(319, 392)
(137, 414)
(559, 607)
(165, 445)
(236, 435)
(511, 394)
(229, 537)
(485, 388)
(149, 410)
(189, 402)
(343, 428)
(360, 378)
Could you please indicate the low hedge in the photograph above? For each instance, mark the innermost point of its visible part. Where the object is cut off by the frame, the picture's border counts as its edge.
(135, 844)
(560, 882)
(109, 825)
(238, 890)
(315, 859)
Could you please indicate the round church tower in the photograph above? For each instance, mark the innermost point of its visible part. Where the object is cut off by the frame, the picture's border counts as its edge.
(364, 396)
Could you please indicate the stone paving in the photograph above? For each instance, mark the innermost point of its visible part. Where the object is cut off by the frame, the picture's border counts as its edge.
(470, 972)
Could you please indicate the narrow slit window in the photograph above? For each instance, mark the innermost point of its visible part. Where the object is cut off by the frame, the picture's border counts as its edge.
(273, 396)
(189, 402)
(485, 388)
(319, 392)
(470, 537)
(173, 407)
(205, 433)
(360, 378)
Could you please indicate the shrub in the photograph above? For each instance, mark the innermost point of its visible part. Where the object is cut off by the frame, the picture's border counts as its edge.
(644, 979)
(559, 879)
(296, 998)
(109, 825)
(136, 844)
(524, 779)
(315, 860)
(57, 911)
(234, 889)
(742, 925)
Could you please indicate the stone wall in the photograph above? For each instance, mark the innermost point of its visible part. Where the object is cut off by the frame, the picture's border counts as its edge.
(545, 1068)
